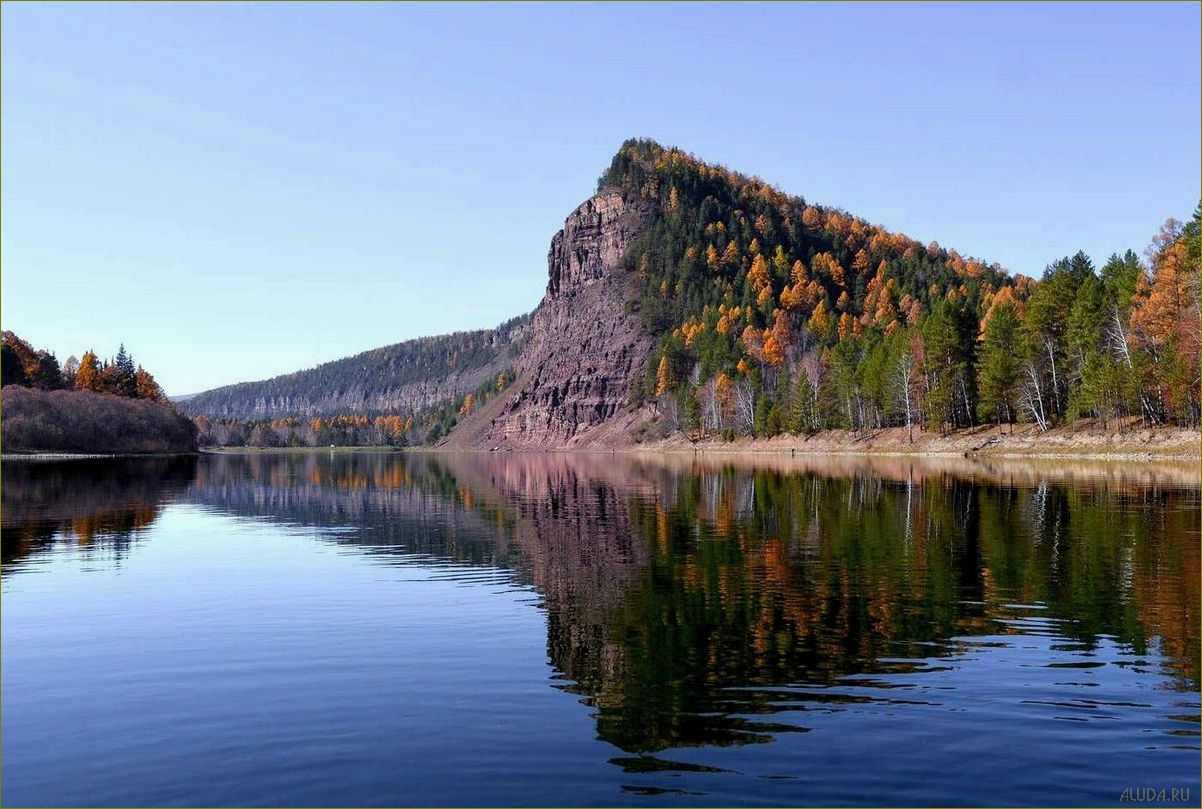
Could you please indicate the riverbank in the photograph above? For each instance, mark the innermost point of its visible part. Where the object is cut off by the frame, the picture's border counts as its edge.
(323, 448)
(1132, 443)
(1083, 441)
(87, 456)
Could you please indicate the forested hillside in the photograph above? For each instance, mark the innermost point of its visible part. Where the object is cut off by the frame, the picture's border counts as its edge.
(778, 315)
(400, 379)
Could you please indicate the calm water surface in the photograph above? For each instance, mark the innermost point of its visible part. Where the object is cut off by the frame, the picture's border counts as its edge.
(320, 628)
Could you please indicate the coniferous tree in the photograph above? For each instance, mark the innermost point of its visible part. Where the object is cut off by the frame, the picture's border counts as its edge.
(999, 364)
(123, 378)
(46, 373)
(12, 371)
(948, 367)
(88, 375)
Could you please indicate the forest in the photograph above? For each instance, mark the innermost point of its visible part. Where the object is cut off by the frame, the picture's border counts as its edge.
(775, 316)
(391, 379)
(373, 428)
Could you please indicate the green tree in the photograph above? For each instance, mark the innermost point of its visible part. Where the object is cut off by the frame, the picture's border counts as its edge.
(948, 351)
(1120, 280)
(999, 364)
(763, 407)
(46, 373)
(843, 361)
(124, 377)
(1101, 389)
(1045, 328)
(690, 409)
(12, 371)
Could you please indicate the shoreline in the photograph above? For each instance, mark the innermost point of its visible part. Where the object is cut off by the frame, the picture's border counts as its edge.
(88, 456)
(883, 453)
(1134, 443)
(1138, 444)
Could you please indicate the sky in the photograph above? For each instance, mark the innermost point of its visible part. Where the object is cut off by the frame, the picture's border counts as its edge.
(237, 191)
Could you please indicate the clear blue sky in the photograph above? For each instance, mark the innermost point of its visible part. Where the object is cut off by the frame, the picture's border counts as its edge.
(238, 191)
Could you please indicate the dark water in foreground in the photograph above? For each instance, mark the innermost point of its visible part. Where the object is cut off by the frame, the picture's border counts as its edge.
(359, 628)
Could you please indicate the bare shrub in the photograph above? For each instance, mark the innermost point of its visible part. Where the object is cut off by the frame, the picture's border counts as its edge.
(83, 421)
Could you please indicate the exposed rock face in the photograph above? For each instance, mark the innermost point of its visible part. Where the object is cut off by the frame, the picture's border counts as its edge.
(573, 359)
(575, 372)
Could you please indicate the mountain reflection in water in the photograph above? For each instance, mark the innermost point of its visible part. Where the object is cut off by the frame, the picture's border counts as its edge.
(712, 601)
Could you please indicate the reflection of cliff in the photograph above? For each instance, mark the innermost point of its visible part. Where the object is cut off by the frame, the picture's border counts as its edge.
(558, 521)
(98, 504)
(394, 505)
(683, 594)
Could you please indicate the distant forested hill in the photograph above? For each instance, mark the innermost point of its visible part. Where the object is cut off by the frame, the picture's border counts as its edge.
(400, 378)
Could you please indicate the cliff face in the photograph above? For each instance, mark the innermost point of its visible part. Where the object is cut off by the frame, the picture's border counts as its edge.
(731, 273)
(573, 359)
(575, 372)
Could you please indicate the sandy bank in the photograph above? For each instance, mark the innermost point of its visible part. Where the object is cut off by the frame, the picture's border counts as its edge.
(1135, 443)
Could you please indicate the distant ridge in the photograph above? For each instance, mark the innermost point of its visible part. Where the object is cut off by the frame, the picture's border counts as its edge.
(400, 377)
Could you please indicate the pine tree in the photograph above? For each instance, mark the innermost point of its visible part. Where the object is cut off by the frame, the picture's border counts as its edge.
(121, 374)
(46, 372)
(999, 364)
(690, 409)
(12, 372)
(947, 366)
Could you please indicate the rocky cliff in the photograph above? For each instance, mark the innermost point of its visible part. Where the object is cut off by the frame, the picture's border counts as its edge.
(584, 346)
(573, 359)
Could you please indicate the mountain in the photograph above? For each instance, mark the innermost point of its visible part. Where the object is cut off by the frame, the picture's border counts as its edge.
(677, 271)
(672, 257)
(683, 296)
